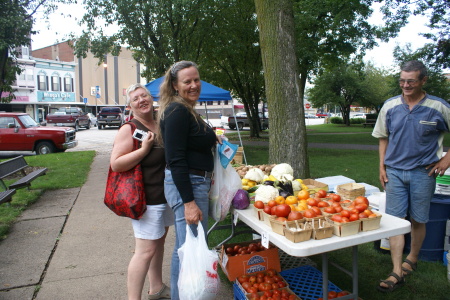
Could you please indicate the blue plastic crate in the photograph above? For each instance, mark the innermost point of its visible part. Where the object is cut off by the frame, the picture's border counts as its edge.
(306, 282)
(238, 295)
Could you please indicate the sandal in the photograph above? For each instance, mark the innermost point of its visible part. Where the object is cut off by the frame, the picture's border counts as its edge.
(391, 286)
(413, 266)
(164, 293)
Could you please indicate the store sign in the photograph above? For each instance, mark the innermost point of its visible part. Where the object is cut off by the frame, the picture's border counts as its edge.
(55, 97)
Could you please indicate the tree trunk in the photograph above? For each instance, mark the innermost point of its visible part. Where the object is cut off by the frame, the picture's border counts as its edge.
(287, 122)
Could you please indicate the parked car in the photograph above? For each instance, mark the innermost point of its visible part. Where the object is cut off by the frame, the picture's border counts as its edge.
(110, 116)
(355, 116)
(323, 115)
(20, 132)
(93, 119)
(69, 117)
(242, 121)
(310, 116)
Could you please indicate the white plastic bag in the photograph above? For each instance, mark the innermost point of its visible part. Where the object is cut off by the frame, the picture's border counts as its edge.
(198, 279)
(225, 183)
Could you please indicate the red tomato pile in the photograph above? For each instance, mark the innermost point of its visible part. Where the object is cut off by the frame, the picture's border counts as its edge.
(358, 209)
(243, 250)
(333, 294)
(283, 212)
(266, 285)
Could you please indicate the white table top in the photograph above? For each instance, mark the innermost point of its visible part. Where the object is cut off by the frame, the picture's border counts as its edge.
(389, 226)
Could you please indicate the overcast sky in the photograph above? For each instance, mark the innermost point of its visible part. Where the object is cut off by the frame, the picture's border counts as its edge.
(58, 27)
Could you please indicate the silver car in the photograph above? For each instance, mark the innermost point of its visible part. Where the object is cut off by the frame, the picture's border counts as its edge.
(93, 119)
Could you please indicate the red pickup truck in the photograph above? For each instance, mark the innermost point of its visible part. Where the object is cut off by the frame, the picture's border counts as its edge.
(20, 132)
(69, 117)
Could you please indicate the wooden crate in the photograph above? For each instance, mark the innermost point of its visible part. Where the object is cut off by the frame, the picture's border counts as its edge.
(239, 156)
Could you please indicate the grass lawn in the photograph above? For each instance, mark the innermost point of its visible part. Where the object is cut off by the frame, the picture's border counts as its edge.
(429, 282)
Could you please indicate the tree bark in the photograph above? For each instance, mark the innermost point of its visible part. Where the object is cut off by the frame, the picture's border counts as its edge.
(287, 123)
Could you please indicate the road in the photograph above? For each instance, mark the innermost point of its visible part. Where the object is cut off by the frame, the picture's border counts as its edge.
(102, 140)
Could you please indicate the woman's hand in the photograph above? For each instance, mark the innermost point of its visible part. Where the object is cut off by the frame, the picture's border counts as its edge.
(192, 213)
(219, 139)
(148, 142)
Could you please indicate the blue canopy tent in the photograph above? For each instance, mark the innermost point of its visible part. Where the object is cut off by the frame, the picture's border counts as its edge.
(209, 92)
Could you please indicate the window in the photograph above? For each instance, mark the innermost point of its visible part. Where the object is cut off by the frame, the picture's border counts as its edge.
(42, 82)
(56, 82)
(68, 86)
(6, 121)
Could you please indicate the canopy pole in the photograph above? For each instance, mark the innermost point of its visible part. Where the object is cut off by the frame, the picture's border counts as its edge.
(239, 133)
(206, 112)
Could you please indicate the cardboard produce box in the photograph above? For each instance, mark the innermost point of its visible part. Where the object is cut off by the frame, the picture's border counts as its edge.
(314, 185)
(235, 266)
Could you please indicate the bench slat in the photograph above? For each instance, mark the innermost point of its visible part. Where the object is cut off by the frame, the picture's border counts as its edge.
(6, 196)
(11, 166)
(26, 180)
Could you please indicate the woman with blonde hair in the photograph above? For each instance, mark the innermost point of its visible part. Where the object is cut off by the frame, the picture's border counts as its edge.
(188, 143)
(151, 230)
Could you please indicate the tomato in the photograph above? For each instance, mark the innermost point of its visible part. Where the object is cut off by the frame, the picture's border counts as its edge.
(323, 204)
(362, 215)
(335, 197)
(260, 275)
(368, 212)
(295, 215)
(292, 297)
(373, 216)
(291, 200)
(330, 210)
(242, 279)
(236, 248)
(281, 284)
(353, 217)
(312, 202)
(253, 296)
(273, 210)
(280, 200)
(361, 200)
(252, 279)
(229, 251)
(303, 195)
(309, 213)
(263, 297)
(281, 219)
(345, 220)
(345, 213)
(336, 204)
(267, 209)
(321, 193)
(338, 209)
(317, 210)
(346, 201)
(269, 280)
(354, 211)
(268, 293)
(337, 218)
(259, 204)
(343, 293)
(282, 210)
(252, 290)
(270, 272)
(332, 294)
(272, 203)
(361, 207)
(276, 278)
(246, 285)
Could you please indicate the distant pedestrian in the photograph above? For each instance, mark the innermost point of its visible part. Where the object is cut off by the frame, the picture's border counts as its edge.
(150, 231)
(410, 129)
(188, 142)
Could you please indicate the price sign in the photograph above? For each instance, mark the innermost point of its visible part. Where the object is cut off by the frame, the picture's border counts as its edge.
(265, 239)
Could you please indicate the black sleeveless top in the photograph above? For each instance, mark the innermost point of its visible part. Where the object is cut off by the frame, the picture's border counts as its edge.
(153, 171)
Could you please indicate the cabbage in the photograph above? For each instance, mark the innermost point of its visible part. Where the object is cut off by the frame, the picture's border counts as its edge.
(241, 200)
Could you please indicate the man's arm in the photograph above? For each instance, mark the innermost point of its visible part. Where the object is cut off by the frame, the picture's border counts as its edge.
(440, 167)
(383, 143)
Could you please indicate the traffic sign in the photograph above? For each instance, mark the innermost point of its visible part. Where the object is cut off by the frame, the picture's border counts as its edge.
(85, 100)
(308, 106)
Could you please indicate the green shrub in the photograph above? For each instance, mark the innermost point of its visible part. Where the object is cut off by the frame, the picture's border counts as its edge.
(336, 120)
(357, 121)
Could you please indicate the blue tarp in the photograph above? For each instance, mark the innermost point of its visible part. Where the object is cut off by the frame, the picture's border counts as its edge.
(209, 92)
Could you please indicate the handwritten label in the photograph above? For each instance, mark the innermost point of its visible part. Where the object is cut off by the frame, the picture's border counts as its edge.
(265, 239)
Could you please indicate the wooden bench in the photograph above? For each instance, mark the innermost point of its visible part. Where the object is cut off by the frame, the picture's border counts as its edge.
(6, 196)
(369, 122)
(18, 164)
(371, 119)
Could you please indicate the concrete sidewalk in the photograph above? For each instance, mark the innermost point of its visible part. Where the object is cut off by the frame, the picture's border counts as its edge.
(69, 245)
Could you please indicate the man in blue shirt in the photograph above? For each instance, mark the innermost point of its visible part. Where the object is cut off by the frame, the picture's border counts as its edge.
(410, 129)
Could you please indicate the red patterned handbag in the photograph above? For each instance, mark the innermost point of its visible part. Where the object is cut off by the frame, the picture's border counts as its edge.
(125, 194)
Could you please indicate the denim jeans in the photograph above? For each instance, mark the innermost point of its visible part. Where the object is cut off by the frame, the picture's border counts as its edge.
(409, 191)
(200, 186)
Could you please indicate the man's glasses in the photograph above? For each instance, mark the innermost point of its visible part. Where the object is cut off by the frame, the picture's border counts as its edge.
(409, 81)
